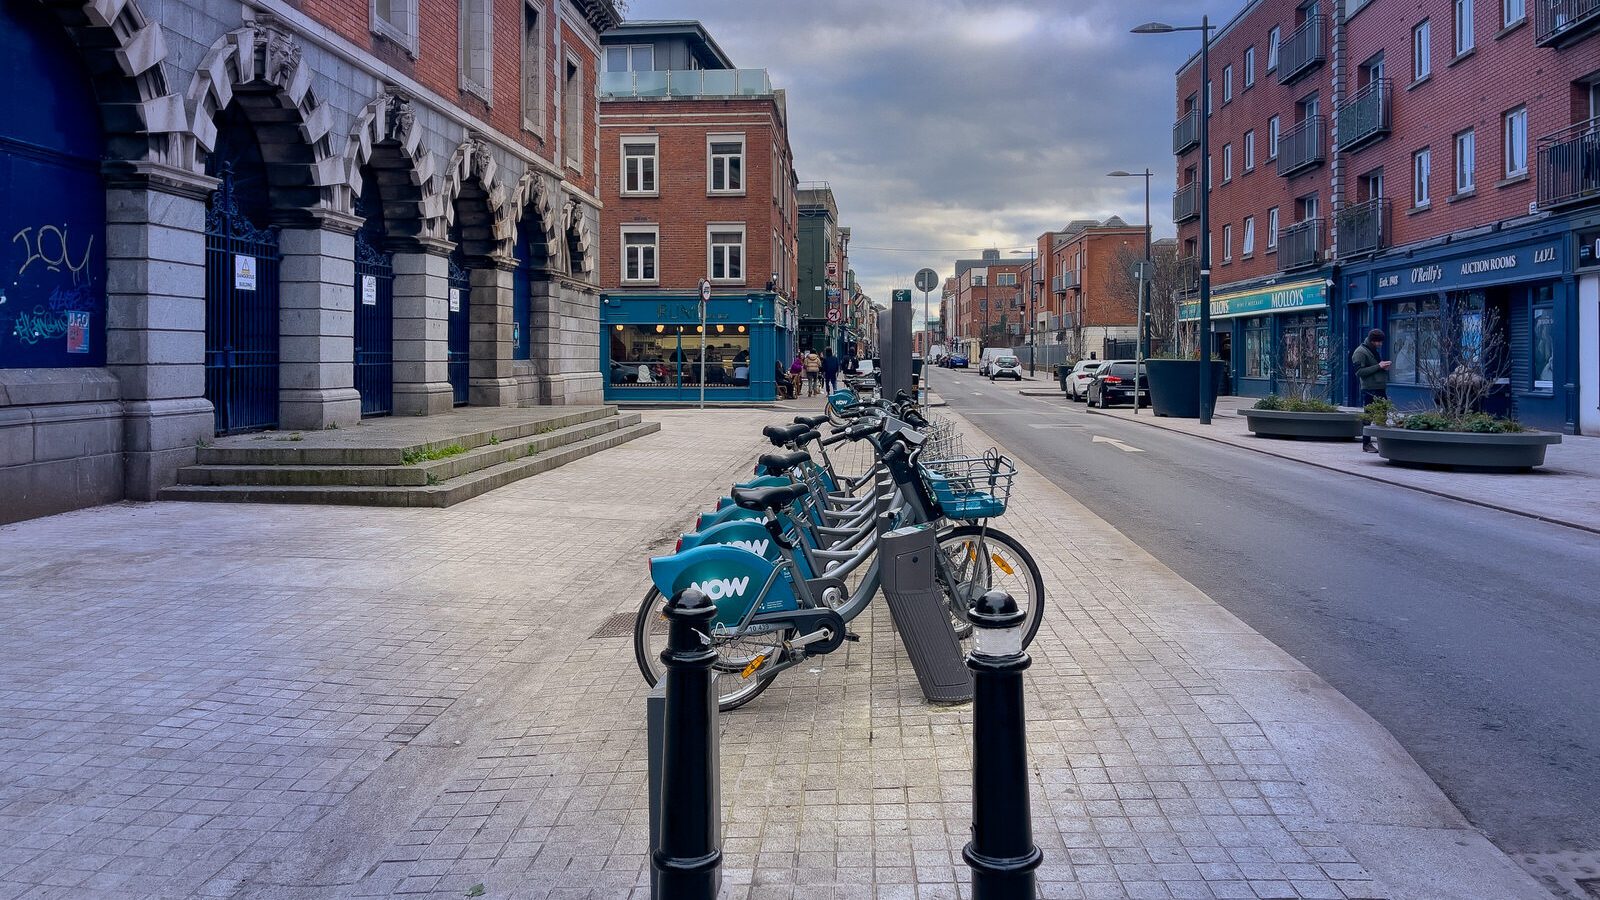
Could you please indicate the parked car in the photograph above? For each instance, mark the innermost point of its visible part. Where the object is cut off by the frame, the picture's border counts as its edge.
(986, 361)
(1116, 384)
(1078, 379)
(1005, 367)
(955, 361)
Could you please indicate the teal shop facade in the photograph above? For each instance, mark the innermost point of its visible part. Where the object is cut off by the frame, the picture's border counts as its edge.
(1264, 330)
(650, 346)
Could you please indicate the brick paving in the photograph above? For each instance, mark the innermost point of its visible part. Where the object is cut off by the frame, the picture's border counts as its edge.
(304, 702)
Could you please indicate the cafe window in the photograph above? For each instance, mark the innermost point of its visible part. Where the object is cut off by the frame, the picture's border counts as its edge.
(666, 356)
(1414, 340)
(1258, 347)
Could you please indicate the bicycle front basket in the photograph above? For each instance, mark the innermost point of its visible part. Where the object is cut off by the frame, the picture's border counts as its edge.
(973, 487)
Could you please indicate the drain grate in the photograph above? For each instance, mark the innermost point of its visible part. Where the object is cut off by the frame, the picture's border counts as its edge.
(619, 625)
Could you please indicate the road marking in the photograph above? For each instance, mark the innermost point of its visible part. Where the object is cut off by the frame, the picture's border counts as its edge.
(1102, 439)
(1054, 425)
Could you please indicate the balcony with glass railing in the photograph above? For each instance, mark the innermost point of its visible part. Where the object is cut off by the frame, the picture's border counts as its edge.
(681, 83)
(1363, 227)
(1061, 283)
(1569, 165)
(1186, 202)
(1557, 23)
(1303, 146)
(1365, 118)
(1302, 49)
(1186, 132)
(1300, 245)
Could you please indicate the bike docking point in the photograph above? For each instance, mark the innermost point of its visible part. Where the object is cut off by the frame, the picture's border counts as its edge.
(1001, 854)
(686, 846)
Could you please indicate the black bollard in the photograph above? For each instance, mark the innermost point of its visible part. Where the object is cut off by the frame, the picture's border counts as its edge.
(688, 856)
(1001, 854)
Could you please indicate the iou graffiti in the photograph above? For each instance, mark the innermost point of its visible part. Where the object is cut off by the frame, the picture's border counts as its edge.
(73, 300)
(48, 244)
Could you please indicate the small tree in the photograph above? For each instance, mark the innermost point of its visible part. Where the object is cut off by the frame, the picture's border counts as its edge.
(1305, 360)
(1469, 355)
(1170, 277)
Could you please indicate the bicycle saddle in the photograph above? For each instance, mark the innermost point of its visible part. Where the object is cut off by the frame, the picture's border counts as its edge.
(765, 498)
(810, 421)
(779, 463)
(783, 434)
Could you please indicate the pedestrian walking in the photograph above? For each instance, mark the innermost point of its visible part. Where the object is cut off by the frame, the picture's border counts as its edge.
(797, 371)
(813, 373)
(1373, 370)
(830, 370)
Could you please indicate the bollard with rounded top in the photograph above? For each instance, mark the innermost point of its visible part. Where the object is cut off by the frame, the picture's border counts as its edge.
(1001, 854)
(688, 856)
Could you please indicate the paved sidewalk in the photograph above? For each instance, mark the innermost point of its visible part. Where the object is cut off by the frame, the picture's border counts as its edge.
(306, 702)
(1566, 490)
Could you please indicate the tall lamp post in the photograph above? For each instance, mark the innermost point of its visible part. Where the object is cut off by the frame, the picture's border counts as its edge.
(1205, 27)
(1140, 335)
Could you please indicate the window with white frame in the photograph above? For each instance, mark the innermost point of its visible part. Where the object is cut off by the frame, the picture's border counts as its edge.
(1247, 245)
(1466, 161)
(1227, 83)
(476, 62)
(1421, 172)
(1421, 51)
(1250, 150)
(725, 164)
(725, 246)
(640, 164)
(1512, 12)
(572, 114)
(1272, 137)
(640, 247)
(397, 21)
(1465, 34)
(1272, 49)
(1272, 229)
(1227, 243)
(1516, 132)
(1249, 65)
(1227, 163)
(533, 100)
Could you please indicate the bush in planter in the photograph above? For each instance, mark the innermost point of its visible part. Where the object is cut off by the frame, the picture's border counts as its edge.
(1274, 403)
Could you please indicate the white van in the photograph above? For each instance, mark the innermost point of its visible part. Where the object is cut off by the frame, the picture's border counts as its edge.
(986, 362)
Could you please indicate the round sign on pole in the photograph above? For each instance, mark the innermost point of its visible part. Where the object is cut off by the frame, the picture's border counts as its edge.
(705, 289)
(926, 280)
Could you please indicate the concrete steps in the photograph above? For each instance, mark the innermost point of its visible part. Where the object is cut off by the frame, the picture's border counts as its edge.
(438, 473)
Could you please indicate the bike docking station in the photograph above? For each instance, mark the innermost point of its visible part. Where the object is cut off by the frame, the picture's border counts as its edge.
(920, 615)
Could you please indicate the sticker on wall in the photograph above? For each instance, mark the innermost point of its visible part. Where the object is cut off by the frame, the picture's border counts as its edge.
(77, 331)
(369, 290)
(455, 299)
(244, 273)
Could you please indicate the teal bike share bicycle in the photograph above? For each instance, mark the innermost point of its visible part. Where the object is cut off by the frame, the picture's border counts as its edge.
(790, 557)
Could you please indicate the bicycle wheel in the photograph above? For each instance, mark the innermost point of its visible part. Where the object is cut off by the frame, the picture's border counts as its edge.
(734, 689)
(968, 569)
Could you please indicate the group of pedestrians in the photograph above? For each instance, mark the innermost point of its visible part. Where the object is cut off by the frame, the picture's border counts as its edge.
(816, 373)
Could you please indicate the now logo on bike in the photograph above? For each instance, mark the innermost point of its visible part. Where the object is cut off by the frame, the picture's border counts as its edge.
(718, 588)
(757, 547)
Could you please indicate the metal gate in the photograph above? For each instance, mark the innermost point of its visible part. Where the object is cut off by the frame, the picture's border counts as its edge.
(458, 351)
(374, 323)
(241, 315)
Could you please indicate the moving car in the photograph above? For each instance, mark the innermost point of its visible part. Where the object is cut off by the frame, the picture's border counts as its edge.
(1080, 376)
(1115, 384)
(1005, 367)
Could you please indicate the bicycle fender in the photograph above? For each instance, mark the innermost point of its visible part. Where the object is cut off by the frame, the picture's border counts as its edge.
(730, 576)
(727, 513)
(747, 534)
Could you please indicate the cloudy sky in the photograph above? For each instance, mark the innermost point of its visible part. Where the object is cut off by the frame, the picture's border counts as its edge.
(947, 126)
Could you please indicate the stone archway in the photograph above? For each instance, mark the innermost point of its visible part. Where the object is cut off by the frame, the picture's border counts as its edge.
(478, 223)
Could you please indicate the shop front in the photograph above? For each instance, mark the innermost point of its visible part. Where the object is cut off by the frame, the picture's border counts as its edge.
(1587, 266)
(1271, 337)
(1503, 297)
(653, 347)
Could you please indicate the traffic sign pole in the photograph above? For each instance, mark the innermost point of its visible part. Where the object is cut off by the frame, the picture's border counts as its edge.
(926, 280)
(705, 297)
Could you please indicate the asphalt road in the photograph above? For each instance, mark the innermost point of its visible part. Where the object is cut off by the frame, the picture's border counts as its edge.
(1472, 635)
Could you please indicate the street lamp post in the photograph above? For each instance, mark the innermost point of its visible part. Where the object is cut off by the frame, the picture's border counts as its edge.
(1141, 335)
(1204, 28)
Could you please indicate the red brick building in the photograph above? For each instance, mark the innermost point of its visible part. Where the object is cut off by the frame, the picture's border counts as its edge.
(987, 309)
(698, 183)
(1091, 309)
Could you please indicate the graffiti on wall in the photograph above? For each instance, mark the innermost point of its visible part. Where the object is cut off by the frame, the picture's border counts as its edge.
(50, 298)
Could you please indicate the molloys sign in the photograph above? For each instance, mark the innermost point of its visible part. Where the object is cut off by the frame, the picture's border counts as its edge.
(1279, 298)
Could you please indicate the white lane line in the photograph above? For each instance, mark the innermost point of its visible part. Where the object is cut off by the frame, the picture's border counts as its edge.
(1102, 439)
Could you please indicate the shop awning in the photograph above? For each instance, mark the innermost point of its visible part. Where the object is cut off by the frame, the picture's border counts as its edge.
(1309, 294)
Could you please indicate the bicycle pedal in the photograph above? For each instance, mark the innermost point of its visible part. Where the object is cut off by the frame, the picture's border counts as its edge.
(852, 637)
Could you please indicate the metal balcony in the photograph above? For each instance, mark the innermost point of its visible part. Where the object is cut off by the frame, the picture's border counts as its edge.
(1303, 146)
(1366, 117)
(1302, 49)
(1569, 165)
(1186, 132)
(1557, 23)
(1363, 227)
(1300, 245)
(1186, 202)
(1061, 283)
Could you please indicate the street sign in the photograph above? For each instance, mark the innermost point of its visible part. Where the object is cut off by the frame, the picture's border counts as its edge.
(1142, 270)
(705, 290)
(901, 295)
(833, 270)
(835, 315)
(926, 280)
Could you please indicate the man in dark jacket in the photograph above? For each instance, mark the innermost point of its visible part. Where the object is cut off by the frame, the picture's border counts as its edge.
(830, 370)
(1373, 370)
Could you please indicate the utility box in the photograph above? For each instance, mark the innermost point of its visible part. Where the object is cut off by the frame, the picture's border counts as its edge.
(917, 607)
(896, 355)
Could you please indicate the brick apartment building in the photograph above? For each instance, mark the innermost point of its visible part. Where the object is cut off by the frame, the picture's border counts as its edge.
(702, 187)
(986, 309)
(1385, 164)
(1091, 310)
(285, 215)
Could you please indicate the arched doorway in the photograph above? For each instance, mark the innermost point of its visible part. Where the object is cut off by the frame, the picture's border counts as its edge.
(241, 282)
(529, 283)
(458, 351)
(53, 299)
(374, 325)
